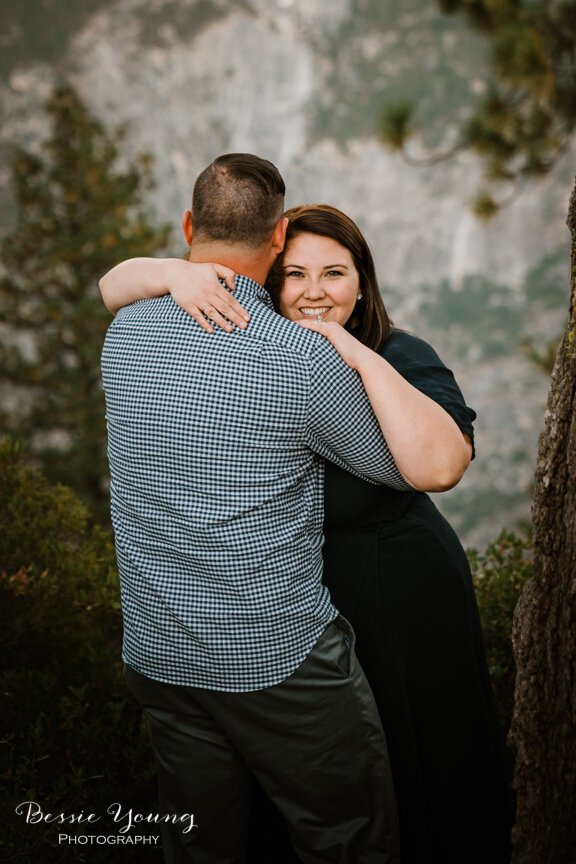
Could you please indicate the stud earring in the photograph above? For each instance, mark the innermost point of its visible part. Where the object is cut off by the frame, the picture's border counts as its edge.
(359, 295)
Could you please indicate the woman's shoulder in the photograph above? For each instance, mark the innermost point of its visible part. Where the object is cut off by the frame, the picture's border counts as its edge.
(406, 349)
(419, 363)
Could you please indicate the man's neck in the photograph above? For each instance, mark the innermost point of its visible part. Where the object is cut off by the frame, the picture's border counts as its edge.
(254, 264)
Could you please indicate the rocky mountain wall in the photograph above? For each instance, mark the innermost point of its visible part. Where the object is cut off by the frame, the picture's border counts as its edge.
(301, 82)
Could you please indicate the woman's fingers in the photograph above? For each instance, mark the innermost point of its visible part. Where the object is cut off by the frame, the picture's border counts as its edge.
(199, 317)
(228, 306)
(218, 318)
(330, 330)
(225, 303)
(223, 309)
(311, 324)
(349, 348)
(227, 274)
(327, 328)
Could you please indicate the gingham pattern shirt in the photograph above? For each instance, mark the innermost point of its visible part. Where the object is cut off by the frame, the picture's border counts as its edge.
(216, 445)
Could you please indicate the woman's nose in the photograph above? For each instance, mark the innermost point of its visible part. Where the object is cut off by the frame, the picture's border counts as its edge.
(314, 288)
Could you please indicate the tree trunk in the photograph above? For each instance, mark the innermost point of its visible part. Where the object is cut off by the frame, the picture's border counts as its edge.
(543, 732)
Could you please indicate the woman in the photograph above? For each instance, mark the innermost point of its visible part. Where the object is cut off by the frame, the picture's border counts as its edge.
(393, 565)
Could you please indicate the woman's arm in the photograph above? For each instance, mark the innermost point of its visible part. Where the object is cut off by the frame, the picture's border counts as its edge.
(429, 449)
(195, 287)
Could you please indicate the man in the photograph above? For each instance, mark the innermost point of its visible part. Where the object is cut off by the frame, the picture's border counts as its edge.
(232, 647)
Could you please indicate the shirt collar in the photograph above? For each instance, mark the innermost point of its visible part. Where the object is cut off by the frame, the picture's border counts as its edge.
(248, 287)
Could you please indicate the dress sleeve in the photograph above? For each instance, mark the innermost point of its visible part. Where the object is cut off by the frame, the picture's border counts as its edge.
(419, 364)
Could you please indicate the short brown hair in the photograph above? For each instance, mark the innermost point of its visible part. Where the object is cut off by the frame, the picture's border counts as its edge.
(238, 199)
(370, 322)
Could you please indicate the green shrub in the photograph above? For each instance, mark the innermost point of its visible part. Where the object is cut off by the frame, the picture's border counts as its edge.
(499, 575)
(73, 739)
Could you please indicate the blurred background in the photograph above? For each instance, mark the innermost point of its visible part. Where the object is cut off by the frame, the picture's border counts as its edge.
(376, 108)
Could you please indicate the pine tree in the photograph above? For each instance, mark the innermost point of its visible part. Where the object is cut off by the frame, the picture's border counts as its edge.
(78, 214)
(525, 119)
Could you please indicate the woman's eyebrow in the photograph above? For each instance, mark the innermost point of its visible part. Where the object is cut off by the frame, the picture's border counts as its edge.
(324, 266)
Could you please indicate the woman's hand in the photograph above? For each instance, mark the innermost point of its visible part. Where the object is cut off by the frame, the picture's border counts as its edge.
(350, 349)
(196, 288)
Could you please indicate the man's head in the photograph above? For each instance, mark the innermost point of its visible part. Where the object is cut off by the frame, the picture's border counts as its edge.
(238, 200)
(237, 214)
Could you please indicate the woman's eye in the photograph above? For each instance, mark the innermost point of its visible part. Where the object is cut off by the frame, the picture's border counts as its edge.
(334, 273)
(294, 274)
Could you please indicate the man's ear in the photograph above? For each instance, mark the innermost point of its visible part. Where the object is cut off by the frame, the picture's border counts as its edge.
(187, 226)
(279, 236)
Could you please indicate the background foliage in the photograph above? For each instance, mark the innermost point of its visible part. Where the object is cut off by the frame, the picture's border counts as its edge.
(72, 737)
(524, 119)
(499, 574)
(78, 215)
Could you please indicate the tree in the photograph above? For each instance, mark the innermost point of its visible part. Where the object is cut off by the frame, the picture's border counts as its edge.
(543, 732)
(78, 215)
(525, 118)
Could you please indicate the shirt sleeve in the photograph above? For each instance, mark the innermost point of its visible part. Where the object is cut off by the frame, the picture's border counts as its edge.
(419, 364)
(341, 425)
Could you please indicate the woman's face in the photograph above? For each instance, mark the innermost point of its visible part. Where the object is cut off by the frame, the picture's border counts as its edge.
(320, 278)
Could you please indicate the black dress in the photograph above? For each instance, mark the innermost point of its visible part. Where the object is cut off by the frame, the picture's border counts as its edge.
(397, 571)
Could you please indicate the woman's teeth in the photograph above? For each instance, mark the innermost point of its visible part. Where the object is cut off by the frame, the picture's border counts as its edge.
(314, 312)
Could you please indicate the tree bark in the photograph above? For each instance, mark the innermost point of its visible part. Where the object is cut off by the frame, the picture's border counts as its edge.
(543, 732)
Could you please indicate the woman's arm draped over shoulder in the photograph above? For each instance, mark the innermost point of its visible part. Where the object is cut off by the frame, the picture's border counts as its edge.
(429, 449)
(194, 286)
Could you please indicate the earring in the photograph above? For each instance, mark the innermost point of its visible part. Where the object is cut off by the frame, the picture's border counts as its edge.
(359, 296)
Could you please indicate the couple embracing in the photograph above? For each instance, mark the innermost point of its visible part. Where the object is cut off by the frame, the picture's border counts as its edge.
(297, 613)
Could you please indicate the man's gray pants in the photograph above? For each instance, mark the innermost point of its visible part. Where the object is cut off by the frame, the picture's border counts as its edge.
(314, 742)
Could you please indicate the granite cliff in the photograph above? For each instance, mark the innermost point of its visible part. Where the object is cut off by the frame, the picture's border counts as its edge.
(301, 82)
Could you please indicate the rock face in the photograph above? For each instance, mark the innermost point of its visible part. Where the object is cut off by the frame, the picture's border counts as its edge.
(301, 82)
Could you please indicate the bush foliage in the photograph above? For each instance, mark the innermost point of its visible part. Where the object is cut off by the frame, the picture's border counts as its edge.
(499, 575)
(73, 740)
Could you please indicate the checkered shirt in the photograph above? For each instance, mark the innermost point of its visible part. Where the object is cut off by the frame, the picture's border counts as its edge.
(216, 445)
